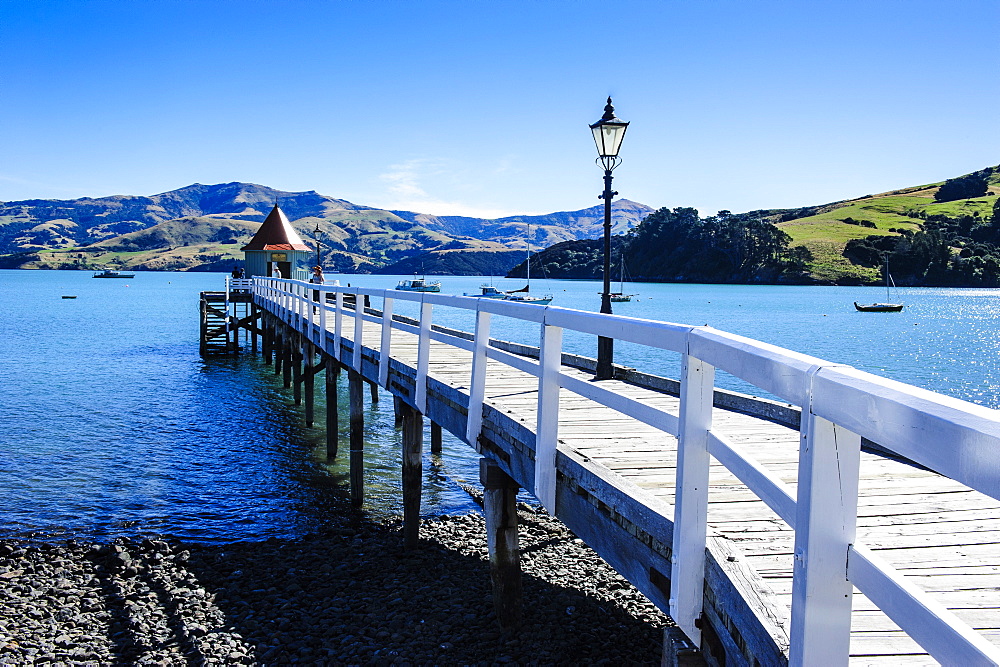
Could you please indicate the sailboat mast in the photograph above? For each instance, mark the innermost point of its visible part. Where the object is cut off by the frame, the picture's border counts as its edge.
(886, 277)
(527, 243)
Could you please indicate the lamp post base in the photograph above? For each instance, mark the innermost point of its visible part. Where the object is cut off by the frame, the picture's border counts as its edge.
(605, 353)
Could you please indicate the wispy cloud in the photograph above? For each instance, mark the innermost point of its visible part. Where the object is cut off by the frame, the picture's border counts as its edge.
(34, 189)
(406, 190)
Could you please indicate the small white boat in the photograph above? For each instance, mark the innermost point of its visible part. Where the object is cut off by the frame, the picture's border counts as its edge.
(489, 292)
(620, 296)
(418, 285)
(527, 298)
(109, 273)
(523, 295)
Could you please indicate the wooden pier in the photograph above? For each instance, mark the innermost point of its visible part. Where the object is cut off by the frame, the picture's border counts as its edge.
(856, 523)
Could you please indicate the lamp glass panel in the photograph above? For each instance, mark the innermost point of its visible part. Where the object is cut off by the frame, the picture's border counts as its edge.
(598, 139)
(613, 135)
(608, 138)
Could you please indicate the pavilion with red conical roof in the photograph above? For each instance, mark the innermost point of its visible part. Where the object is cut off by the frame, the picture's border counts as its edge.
(277, 245)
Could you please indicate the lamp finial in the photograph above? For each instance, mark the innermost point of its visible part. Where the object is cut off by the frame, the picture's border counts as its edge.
(609, 111)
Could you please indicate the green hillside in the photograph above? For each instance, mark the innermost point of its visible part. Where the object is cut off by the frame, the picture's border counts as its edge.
(826, 233)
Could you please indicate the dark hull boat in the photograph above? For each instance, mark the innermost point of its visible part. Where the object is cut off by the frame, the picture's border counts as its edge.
(879, 307)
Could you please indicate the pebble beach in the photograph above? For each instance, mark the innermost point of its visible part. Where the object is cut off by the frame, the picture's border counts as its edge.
(351, 595)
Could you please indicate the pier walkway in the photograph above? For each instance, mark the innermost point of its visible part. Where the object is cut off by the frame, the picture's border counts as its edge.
(856, 522)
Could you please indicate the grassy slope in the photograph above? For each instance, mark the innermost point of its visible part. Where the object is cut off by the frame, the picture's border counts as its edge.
(825, 234)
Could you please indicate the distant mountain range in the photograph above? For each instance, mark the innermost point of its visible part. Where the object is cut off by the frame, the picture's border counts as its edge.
(203, 227)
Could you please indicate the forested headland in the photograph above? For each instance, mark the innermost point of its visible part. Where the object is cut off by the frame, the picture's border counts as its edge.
(678, 245)
(942, 234)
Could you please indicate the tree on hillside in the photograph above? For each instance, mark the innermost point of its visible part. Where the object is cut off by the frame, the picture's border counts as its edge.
(971, 185)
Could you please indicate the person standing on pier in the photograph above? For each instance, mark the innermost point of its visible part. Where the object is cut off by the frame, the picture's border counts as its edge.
(316, 279)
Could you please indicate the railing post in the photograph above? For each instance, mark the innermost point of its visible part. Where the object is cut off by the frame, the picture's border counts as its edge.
(477, 383)
(359, 328)
(384, 350)
(282, 299)
(547, 429)
(301, 307)
(825, 523)
(321, 342)
(423, 356)
(338, 323)
(687, 572)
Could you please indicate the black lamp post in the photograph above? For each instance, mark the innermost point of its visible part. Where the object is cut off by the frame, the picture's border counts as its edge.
(608, 135)
(316, 237)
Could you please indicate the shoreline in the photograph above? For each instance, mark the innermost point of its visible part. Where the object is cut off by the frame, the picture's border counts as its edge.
(351, 595)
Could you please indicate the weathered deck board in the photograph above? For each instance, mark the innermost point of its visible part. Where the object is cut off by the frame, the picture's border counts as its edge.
(944, 535)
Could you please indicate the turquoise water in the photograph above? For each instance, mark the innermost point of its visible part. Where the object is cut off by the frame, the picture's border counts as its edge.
(114, 425)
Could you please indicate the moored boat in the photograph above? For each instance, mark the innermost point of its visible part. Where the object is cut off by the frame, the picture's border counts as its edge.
(110, 273)
(620, 296)
(418, 285)
(527, 298)
(881, 307)
(489, 292)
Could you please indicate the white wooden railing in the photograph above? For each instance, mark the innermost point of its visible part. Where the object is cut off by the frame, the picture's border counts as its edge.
(839, 404)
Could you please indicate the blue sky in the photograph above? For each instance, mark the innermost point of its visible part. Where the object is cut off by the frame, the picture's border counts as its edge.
(481, 107)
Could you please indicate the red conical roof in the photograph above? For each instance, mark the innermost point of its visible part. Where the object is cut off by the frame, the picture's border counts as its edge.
(276, 233)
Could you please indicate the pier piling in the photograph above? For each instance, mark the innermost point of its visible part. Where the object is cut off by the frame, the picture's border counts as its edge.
(357, 462)
(309, 383)
(298, 362)
(500, 510)
(332, 407)
(413, 441)
(435, 438)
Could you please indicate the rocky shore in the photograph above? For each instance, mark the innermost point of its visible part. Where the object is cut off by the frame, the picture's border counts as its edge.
(352, 595)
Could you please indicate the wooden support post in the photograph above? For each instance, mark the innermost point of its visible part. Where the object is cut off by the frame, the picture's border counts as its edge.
(253, 332)
(203, 326)
(286, 359)
(356, 393)
(435, 438)
(332, 406)
(678, 651)
(500, 508)
(309, 382)
(297, 362)
(279, 350)
(267, 341)
(413, 445)
(397, 411)
(374, 392)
